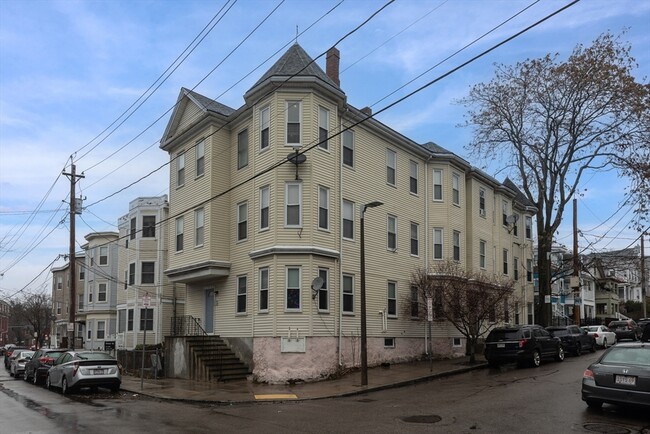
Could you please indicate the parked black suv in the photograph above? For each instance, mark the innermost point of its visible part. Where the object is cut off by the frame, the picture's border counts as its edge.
(574, 339)
(625, 329)
(523, 344)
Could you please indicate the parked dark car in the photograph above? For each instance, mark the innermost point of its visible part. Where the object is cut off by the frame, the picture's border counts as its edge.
(620, 376)
(574, 339)
(10, 351)
(76, 369)
(625, 329)
(524, 344)
(41, 362)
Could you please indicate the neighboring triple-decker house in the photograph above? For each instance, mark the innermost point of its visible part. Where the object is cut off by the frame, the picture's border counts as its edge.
(265, 208)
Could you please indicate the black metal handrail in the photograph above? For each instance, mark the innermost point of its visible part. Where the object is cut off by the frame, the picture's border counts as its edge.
(187, 325)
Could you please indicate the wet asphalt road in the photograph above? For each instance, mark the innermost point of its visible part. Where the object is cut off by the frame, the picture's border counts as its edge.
(505, 400)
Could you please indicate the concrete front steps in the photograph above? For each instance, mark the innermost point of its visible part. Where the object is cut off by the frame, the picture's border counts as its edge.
(214, 360)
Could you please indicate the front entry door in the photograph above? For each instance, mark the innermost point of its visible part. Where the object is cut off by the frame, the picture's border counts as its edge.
(209, 311)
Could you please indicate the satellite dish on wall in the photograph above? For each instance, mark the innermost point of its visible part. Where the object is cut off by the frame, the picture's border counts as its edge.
(512, 219)
(316, 285)
(297, 159)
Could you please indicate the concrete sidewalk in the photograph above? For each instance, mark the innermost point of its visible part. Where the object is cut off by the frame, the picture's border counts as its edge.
(242, 391)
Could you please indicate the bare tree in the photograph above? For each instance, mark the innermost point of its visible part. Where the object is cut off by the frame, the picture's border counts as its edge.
(35, 312)
(472, 302)
(552, 122)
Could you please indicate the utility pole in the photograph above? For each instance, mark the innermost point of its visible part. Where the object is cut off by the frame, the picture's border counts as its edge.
(73, 275)
(643, 277)
(576, 265)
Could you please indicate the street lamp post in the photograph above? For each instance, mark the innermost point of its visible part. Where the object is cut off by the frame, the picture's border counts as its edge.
(364, 333)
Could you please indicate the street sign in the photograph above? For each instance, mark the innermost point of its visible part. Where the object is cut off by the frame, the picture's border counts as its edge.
(146, 300)
(70, 326)
(429, 309)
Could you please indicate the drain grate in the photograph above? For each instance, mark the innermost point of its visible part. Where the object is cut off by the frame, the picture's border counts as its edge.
(606, 428)
(424, 418)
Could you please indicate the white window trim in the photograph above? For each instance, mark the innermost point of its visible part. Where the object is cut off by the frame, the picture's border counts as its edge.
(200, 145)
(351, 134)
(286, 124)
(352, 207)
(454, 235)
(388, 298)
(286, 288)
(417, 238)
(325, 288)
(414, 164)
(352, 294)
(180, 165)
(326, 190)
(262, 289)
(482, 255)
(391, 155)
(245, 295)
(241, 166)
(442, 244)
(388, 232)
(455, 178)
(199, 213)
(239, 220)
(179, 221)
(286, 204)
(482, 212)
(266, 109)
(266, 190)
(326, 111)
(442, 185)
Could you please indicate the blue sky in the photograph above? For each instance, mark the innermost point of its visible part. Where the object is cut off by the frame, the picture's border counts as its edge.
(69, 69)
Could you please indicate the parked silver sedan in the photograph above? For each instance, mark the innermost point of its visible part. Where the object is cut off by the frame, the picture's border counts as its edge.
(77, 369)
(17, 362)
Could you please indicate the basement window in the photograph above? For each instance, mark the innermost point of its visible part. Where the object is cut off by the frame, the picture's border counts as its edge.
(389, 342)
(457, 343)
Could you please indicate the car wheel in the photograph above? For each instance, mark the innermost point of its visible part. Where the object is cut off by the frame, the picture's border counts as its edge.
(592, 349)
(592, 403)
(537, 359)
(48, 383)
(560, 354)
(64, 386)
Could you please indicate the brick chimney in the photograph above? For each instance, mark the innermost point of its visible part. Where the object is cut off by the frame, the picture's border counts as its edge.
(332, 65)
(367, 111)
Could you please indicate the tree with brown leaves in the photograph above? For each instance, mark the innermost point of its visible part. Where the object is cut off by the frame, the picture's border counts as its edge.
(553, 122)
(472, 302)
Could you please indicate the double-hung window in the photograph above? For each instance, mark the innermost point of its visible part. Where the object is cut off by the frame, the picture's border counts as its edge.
(323, 292)
(149, 226)
(265, 201)
(529, 227)
(482, 247)
(515, 268)
(200, 158)
(348, 220)
(103, 255)
(413, 177)
(348, 293)
(132, 273)
(293, 204)
(242, 149)
(415, 237)
(101, 329)
(529, 270)
(146, 319)
(179, 234)
(504, 212)
(456, 240)
(241, 294)
(323, 127)
(515, 225)
(505, 261)
(293, 289)
(481, 202)
(147, 273)
(392, 233)
(180, 170)
(293, 123)
(437, 244)
(265, 128)
(455, 188)
(129, 320)
(391, 166)
(242, 221)
(392, 299)
(348, 148)
(264, 289)
(101, 292)
(437, 185)
(199, 226)
(133, 229)
(323, 208)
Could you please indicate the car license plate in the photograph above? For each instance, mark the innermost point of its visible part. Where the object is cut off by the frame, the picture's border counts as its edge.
(625, 380)
(99, 371)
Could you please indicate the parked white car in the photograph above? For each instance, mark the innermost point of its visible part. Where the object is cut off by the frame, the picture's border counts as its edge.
(604, 337)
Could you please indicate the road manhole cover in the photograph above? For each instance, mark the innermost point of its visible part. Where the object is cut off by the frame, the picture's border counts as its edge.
(606, 428)
(431, 418)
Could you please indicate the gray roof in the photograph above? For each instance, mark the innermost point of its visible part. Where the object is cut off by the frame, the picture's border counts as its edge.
(296, 61)
(436, 149)
(209, 104)
(519, 196)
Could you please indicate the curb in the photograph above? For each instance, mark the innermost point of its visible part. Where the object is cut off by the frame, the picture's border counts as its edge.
(409, 382)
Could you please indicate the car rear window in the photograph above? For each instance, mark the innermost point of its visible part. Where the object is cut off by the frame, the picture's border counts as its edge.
(632, 355)
(53, 354)
(95, 356)
(593, 328)
(504, 335)
(617, 323)
(559, 332)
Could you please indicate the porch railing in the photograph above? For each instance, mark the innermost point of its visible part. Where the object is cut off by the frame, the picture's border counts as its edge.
(187, 325)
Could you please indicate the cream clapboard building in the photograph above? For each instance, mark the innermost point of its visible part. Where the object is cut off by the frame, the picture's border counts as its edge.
(252, 228)
(142, 259)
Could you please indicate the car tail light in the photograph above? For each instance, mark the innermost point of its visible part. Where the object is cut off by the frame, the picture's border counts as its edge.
(75, 368)
(46, 360)
(596, 335)
(588, 374)
(522, 342)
